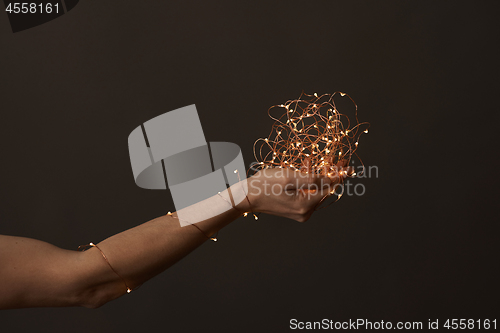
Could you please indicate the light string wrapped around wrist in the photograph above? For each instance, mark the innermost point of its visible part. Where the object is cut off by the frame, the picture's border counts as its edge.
(89, 245)
(244, 213)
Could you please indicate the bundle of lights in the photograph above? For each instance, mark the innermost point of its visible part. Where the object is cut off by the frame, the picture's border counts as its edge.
(310, 135)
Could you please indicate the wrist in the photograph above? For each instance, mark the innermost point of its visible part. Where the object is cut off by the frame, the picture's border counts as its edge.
(245, 195)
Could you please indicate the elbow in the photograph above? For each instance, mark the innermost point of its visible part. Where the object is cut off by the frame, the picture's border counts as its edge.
(92, 304)
(95, 297)
(91, 299)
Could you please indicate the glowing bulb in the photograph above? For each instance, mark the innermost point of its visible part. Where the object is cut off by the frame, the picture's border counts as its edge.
(129, 290)
(342, 94)
(255, 216)
(245, 214)
(266, 140)
(315, 95)
(356, 143)
(213, 239)
(91, 244)
(235, 171)
(366, 131)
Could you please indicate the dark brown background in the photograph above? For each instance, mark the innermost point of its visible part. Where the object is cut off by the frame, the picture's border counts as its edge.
(420, 244)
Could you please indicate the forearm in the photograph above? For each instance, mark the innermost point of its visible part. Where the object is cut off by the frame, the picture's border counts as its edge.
(140, 253)
(35, 273)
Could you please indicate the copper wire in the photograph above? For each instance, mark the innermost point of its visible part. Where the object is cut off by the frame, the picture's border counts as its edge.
(214, 238)
(311, 135)
(87, 246)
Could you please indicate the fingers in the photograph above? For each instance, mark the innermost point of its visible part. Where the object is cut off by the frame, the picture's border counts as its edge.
(315, 181)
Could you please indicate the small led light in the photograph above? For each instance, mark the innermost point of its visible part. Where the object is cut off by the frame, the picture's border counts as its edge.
(129, 290)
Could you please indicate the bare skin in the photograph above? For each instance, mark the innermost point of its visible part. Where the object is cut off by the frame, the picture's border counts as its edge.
(37, 274)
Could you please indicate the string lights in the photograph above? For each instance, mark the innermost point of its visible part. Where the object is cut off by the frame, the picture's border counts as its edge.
(88, 246)
(245, 214)
(311, 135)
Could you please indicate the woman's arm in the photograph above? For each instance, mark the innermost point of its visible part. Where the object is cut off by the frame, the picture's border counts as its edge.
(34, 273)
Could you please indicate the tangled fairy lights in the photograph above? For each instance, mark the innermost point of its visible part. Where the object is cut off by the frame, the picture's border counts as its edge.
(311, 135)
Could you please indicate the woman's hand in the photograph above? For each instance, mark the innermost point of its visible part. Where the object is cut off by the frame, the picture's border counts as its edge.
(289, 193)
